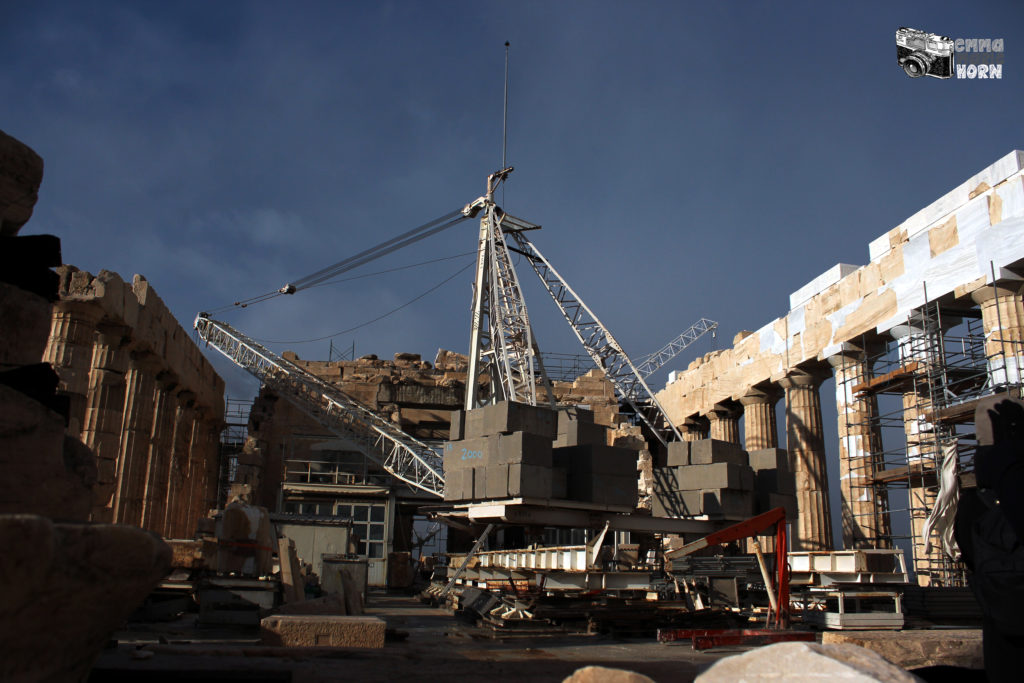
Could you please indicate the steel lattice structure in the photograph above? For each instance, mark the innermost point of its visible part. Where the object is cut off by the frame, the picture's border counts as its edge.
(403, 456)
(502, 342)
(601, 345)
(657, 359)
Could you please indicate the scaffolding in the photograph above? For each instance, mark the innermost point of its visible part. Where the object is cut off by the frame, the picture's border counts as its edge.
(914, 399)
(232, 441)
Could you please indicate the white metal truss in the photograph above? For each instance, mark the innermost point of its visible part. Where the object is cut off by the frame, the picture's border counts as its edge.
(657, 359)
(601, 345)
(502, 342)
(403, 456)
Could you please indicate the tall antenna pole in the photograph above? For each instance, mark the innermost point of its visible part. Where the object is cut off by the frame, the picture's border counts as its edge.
(504, 117)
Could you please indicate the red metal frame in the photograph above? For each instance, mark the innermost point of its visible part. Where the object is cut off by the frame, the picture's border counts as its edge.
(704, 639)
(752, 527)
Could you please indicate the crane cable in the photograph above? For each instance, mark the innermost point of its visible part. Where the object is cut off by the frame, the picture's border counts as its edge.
(221, 309)
(405, 239)
(379, 317)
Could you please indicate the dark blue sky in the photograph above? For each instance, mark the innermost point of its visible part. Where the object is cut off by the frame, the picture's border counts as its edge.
(685, 159)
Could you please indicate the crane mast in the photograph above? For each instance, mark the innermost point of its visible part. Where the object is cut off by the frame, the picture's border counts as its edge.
(502, 343)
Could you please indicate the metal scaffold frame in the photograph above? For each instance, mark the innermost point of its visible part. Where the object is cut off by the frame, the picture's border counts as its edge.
(924, 387)
(403, 456)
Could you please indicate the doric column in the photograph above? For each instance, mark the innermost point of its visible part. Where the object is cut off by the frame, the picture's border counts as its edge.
(864, 522)
(806, 445)
(759, 424)
(154, 496)
(136, 431)
(694, 428)
(920, 346)
(104, 413)
(69, 351)
(181, 440)
(724, 421)
(1002, 317)
(202, 467)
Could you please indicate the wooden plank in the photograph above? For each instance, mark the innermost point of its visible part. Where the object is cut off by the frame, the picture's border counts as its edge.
(886, 381)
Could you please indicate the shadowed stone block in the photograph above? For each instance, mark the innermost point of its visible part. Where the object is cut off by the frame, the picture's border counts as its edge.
(678, 453)
(711, 451)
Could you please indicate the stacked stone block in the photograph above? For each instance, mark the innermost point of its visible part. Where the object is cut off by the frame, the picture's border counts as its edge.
(513, 450)
(720, 480)
(704, 478)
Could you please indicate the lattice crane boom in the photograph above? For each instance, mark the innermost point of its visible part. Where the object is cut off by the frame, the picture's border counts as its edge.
(400, 454)
(651, 363)
(600, 344)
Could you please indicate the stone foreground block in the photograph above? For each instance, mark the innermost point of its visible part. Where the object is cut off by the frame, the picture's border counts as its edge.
(806, 661)
(913, 649)
(322, 631)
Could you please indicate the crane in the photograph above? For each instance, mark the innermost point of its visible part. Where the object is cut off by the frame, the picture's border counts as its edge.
(503, 346)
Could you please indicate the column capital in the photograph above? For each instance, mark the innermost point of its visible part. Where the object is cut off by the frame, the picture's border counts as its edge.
(166, 380)
(764, 392)
(112, 333)
(1007, 288)
(145, 361)
(727, 409)
(89, 311)
(186, 397)
(800, 377)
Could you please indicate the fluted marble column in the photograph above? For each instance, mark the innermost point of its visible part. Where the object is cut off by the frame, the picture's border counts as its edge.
(154, 496)
(694, 428)
(69, 351)
(136, 431)
(177, 468)
(865, 523)
(1002, 318)
(760, 428)
(724, 421)
(104, 413)
(806, 445)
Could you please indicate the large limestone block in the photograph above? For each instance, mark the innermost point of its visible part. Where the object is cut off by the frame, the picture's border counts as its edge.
(799, 662)
(468, 453)
(21, 173)
(26, 325)
(41, 472)
(580, 433)
(246, 540)
(602, 674)
(596, 459)
(530, 481)
(66, 588)
(728, 503)
(712, 451)
(722, 475)
(509, 416)
(322, 631)
(769, 459)
(914, 649)
(522, 448)
(678, 453)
